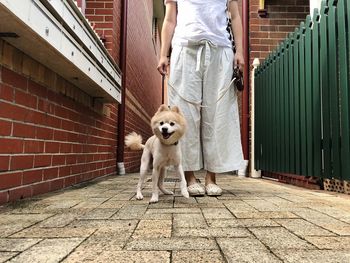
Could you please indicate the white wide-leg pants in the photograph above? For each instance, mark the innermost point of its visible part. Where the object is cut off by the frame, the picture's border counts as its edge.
(199, 75)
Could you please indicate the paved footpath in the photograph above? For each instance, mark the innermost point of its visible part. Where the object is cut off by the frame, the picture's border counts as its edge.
(254, 220)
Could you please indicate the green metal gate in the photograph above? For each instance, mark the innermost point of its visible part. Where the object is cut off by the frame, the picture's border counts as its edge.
(302, 99)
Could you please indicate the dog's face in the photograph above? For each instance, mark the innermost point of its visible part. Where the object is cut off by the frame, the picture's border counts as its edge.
(168, 124)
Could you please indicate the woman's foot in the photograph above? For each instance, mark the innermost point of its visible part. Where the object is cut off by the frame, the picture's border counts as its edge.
(211, 187)
(193, 188)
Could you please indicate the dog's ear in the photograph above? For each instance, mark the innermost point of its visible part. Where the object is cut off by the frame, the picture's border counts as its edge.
(175, 109)
(163, 107)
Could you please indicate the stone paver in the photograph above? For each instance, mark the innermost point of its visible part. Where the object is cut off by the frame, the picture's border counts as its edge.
(253, 221)
(48, 250)
(195, 256)
(4, 256)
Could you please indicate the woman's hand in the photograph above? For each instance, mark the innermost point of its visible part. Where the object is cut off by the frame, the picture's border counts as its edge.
(239, 61)
(163, 65)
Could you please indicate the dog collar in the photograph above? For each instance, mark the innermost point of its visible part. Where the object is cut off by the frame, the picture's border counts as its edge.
(176, 143)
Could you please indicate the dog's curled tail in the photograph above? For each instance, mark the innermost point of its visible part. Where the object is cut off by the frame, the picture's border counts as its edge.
(134, 141)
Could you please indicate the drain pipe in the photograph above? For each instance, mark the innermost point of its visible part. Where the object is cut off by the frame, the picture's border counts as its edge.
(245, 99)
(121, 106)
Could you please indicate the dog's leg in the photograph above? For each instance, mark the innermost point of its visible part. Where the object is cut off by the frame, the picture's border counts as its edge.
(161, 181)
(155, 178)
(183, 184)
(145, 159)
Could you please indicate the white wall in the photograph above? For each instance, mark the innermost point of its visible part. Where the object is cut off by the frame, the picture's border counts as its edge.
(314, 4)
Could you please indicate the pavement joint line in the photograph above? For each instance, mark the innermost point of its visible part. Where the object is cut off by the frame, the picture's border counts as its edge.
(220, 250)
(267, 247)
(230, 211)
(78, 245)
(130, 237)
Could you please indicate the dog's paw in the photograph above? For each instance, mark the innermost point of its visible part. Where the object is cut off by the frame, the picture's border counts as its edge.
(153, 200)
(167, 192)
(139, 196)
(185, 193)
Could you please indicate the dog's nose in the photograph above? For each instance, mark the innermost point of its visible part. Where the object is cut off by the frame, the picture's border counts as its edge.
(164, 129)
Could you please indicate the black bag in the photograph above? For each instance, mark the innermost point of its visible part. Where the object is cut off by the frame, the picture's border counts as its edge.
(237, 77)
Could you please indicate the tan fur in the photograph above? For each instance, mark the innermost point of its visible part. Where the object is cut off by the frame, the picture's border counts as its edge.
(164, 150)
(134, 141)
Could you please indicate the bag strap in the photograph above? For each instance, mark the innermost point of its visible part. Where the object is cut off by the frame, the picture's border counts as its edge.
(228, 13)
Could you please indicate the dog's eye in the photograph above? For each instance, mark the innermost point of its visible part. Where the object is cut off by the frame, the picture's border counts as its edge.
(161, 123)
(172, 124)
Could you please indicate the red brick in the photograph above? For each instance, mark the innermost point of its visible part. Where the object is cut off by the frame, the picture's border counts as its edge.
(81, 158)
(42, 160)
(67, 125)
(24, 130)
(3, 197)
(5, 128)
(51, 121)
(21, 162)
(56, 184)
(50, 173)
(76, 169)
(58, 160)
(10, 179)
(60, 135)
(46, 106)
(108, 5)
(26, 99)
(77, 148)
(36, 89)
(33, 146)
(61, 112)
(6, 92)
(103, 12)
(52, 147)
(95, 18)
(64, 171)
(89, 11)
(20, 193)
(68, 181)
(278, 35)
(41, 188)
(35, 117)
(96, 5)
(13, 79)
(105, 25)
(71, 159)
(65, 148)
(4, 163)
(14, 112)
(44, 133)
(32, 176)
(11, 146)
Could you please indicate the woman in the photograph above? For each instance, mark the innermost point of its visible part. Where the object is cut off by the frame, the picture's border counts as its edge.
(201, 69)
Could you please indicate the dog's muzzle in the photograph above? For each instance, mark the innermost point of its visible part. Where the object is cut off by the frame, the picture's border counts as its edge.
(165, 133)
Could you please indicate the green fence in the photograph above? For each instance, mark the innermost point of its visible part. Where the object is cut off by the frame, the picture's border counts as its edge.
(302, 98)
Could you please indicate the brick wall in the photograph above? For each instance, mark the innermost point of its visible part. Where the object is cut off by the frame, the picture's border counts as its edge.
(282, 18)
(50, 135)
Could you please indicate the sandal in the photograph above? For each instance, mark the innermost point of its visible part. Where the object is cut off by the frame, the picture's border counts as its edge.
(196, 189)
(213, 190)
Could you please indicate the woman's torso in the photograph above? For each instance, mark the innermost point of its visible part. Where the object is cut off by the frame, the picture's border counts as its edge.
(201, 20)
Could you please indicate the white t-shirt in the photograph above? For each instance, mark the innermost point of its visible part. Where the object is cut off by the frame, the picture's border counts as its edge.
(201, 20)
